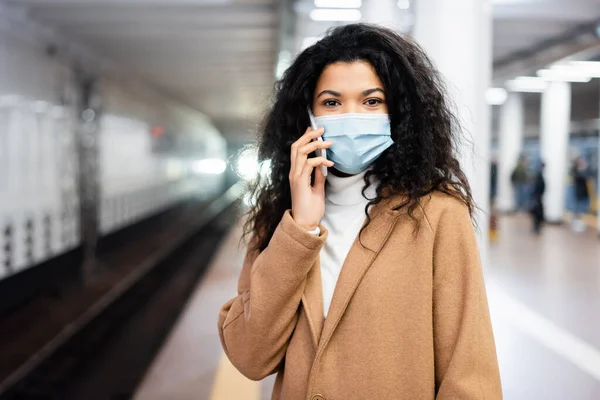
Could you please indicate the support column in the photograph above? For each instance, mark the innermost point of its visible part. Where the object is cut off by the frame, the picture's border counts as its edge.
(89, 111)
(510, 147)
(554, 140)
(457, 36)
(285, 40)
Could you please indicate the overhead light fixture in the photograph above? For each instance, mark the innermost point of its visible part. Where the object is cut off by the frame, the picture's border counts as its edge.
(528, 84)
(404, 4)
(564, 75)
(331, 14)
(213, 166)
(338, 3)
(585, 64)
(586, 68)
(496, 96)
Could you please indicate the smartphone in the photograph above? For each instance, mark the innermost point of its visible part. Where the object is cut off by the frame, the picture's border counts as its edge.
(320, 152)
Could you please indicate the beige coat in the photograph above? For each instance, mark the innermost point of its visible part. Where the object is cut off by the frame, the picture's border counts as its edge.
(408, 320)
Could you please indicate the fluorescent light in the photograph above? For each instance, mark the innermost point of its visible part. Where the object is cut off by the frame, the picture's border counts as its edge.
(527, 84)
(586, 68)
(309, 41)
(404, 4)
(585, 64)
(338, 3)
(210, 166)
(566, 75)
(332, 14)
(496, 96)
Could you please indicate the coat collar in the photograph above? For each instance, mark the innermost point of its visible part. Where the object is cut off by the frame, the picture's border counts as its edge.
(359, 259)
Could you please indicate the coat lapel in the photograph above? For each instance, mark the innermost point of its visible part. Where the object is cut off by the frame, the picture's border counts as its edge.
(357, 263)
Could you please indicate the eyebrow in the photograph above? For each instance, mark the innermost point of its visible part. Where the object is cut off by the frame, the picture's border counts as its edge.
(371, 91)
(338, 94)
(331, 92)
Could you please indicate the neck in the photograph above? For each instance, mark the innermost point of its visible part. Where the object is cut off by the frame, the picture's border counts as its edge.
(347, 190)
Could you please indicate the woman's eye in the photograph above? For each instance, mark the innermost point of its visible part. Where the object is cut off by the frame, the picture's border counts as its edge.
(331, 103)
(373, 102)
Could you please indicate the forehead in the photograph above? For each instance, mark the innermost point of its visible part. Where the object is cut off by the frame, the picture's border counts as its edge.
(348, 76)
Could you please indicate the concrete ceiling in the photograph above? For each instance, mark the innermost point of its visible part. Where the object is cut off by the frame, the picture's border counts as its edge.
(216, 55)
(524, 25)
(219, 55)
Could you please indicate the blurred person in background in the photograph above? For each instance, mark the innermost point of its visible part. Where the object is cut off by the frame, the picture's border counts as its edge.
(493, 234)
(537, 209)
(519, 180)
(579, 175)
(365, 283)
(493, 180)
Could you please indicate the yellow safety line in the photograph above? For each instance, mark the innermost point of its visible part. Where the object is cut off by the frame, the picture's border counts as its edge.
(230, 384)
(589, 219)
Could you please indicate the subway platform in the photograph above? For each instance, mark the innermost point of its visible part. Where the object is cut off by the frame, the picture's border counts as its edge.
(544, 296)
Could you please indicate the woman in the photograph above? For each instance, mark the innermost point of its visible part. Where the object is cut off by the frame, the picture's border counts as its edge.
(394, 308)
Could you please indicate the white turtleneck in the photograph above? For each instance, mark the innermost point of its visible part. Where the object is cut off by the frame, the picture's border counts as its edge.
(344, 216)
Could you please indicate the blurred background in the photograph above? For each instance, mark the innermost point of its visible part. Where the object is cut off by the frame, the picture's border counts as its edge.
(124, 127)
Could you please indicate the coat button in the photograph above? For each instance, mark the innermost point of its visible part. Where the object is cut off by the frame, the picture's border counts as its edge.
(318, 397)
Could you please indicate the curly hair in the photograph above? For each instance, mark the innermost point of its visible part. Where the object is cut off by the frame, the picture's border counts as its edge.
(424, 128)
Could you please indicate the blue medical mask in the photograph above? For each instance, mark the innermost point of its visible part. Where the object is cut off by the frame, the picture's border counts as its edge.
(357, 139)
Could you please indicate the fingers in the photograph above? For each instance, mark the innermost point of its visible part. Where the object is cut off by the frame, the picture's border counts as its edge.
(309, 135)
(304, 151)
(314, 145)
(312, 163)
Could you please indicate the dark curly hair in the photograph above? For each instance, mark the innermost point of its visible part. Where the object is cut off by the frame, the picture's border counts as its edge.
(425, 131)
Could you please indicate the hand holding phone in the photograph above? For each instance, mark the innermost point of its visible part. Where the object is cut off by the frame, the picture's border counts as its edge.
(307, 184)
(319, 152)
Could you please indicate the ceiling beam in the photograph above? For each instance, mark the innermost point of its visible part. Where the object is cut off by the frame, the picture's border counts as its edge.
(580, 39)
(137, 3)
(166, 15)
(186, 54)
(547, 11)
(170, 45)
(154, 33)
